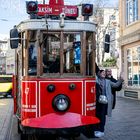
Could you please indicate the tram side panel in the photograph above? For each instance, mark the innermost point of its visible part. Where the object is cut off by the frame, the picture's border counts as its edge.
(90, 97)
(29, 99)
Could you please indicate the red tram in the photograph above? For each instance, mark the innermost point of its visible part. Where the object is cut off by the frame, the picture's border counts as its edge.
(54, 85)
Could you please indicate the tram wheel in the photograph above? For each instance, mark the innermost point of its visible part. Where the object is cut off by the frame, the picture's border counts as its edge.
(23, 137)
(88, 131)
(28, 137)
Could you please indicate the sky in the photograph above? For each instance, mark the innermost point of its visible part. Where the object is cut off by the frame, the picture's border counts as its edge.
(14, 11)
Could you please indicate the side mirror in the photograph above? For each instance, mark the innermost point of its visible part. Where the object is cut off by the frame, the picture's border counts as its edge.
(14, 38)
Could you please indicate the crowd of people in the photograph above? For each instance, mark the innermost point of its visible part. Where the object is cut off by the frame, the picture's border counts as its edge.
(106, 87)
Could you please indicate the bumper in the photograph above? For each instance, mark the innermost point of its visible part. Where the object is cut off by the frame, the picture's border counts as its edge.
(53, 120)
(67, 124)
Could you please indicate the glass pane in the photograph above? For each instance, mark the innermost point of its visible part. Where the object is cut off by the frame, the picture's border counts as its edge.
(72, 53)
(51, 53)
(132, 11)
(89, 54)
(5, 79)
(133, 64)
(129, 66)
(32, 61)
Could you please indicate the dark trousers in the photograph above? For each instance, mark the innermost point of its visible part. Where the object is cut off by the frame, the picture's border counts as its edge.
(101, 111)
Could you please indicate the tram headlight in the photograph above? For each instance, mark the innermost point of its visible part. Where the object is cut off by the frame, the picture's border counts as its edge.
(61, 103)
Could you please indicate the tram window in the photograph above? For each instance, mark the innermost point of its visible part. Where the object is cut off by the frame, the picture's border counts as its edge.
(32, 60)
(51, 54)
(89, 54)
(72, 53)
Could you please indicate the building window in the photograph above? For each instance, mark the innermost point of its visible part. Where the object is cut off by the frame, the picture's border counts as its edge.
(133, 66)
(131, 11)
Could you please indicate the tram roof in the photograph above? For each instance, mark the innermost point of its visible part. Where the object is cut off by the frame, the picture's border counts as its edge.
(53, 25)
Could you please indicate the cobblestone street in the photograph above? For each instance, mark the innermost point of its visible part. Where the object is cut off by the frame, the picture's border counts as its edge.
(124, 123)
(6, 110)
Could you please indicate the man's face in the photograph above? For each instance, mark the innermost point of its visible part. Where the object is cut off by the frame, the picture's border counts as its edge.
(109, 73)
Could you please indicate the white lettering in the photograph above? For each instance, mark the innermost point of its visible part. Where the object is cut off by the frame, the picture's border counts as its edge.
(92, 89)
(91, 108)
(28, 110)
(29, 106)
(26, 95)
(69, 10)
(26, 90)
(45, 9)
(91, 104)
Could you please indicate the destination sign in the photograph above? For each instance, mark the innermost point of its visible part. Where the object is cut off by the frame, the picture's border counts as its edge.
(70, 11)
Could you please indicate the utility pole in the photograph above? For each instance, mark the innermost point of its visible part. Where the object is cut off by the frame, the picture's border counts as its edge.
(43, 1)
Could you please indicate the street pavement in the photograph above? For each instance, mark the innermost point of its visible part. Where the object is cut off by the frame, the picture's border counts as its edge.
(123, 125)
(125, 121)
(6, 109)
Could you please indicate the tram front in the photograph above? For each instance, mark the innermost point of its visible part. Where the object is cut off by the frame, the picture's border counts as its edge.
(55, 72)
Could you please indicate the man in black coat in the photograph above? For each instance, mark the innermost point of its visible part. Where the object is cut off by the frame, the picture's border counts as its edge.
(110, 77)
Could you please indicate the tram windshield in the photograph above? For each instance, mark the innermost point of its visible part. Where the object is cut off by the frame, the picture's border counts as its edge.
(61, 55)
(51, 53)
(72, 53)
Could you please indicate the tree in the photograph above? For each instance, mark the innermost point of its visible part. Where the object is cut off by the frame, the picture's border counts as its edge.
(104, 25)
(111, 62)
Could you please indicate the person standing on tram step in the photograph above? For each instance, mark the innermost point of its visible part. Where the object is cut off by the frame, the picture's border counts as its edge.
(110, 77)
(103, 87)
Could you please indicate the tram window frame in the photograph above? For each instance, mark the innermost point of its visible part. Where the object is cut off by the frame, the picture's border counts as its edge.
(90, 54)
(83, 64)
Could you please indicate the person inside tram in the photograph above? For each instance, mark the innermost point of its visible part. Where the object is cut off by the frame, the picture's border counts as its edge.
(51, 66)
(103, 87)
(55, 66)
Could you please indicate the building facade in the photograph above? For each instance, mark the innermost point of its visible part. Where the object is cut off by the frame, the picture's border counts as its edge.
(129, 42)
(10, 60)
(3, 49)
(7, 56)
(108, 20)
